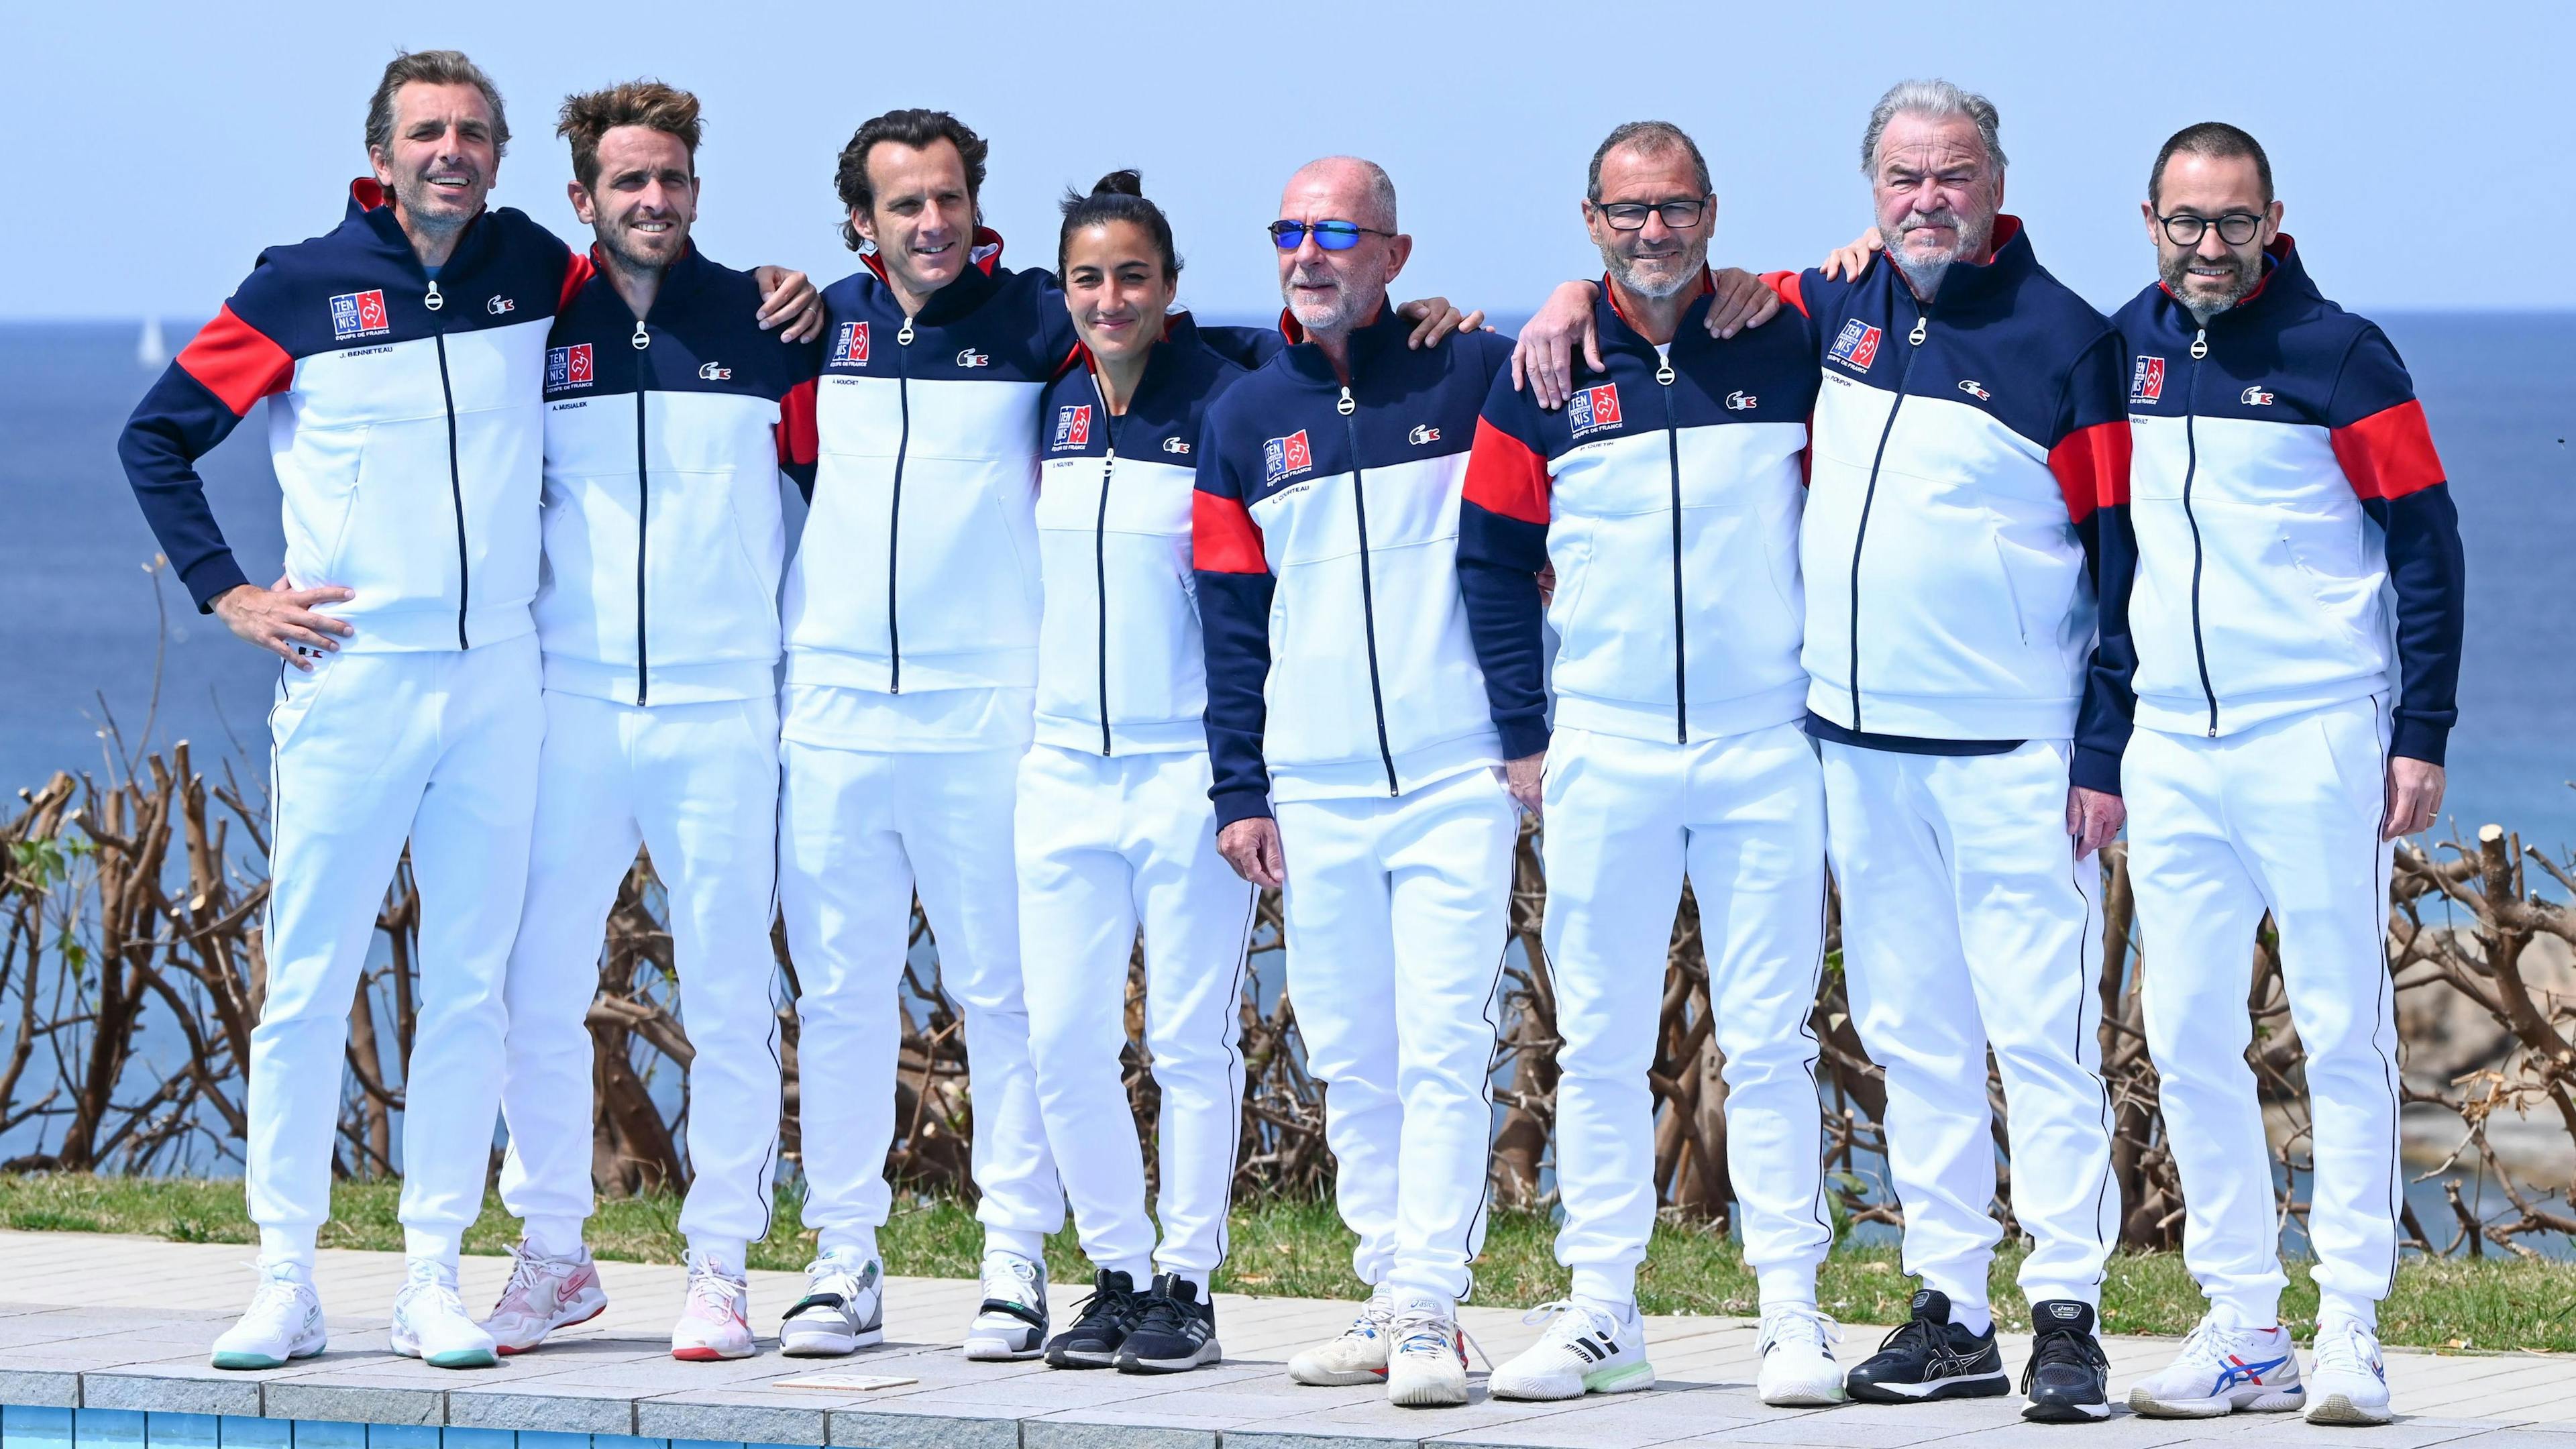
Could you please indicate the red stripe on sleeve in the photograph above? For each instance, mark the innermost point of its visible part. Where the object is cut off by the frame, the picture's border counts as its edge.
(797, 439)
(236, 362)
(2092, 467)
(1507, 476)
(1223, 537)
(1784, 285)
(577, 274)
(2390, 453)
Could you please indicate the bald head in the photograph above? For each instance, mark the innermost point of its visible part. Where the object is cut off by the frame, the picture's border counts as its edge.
(1360, 189)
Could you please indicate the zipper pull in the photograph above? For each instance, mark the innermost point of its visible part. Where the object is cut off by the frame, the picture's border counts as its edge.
(2200, 349)
(1915, 337)
(1346, 407)
(904, 337)
(1664, 371)
(433, 301)
(642, 339)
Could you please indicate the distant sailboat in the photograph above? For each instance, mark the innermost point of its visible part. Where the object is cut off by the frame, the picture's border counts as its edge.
(152, 350)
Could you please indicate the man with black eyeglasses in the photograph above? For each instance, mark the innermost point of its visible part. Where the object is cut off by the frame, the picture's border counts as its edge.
(1666, 500)
(2290, 727)
(1344, 693)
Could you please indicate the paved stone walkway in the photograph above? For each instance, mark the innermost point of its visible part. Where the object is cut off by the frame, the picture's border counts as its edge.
(107, 1326)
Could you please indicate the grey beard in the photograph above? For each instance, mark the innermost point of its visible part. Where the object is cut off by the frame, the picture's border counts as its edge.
(2176, 279)
(1926, 276)
(1625, 272)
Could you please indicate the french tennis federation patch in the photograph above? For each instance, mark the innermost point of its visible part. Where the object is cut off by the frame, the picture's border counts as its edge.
(358, 314)
(1283, 458)
(1856, 346)
(850, 345)
(1073, 426)
(1593, 409)
(2147, 380)
(568, 366)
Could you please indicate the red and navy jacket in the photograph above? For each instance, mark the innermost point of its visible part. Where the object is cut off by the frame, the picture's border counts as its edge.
(405, 423)
(1950, 544)
(1122, 668)
(665, 438)
(1666, 495)
(1325, 539)
(2285, 486)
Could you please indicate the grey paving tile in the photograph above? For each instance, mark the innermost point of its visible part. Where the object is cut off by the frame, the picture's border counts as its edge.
(540, 1404)
(776, 1417)
(1116, 1431)
(898, 1425)
(186, 1387)
(354, 1399)
(37, 1385)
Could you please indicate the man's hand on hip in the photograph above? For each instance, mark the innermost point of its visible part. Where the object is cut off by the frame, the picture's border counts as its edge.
(2093, 818)
(278, 618)
(1521, 777)
(1252, 848)
(2414, 797)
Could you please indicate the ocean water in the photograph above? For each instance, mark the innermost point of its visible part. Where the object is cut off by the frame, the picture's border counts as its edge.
(87, 634)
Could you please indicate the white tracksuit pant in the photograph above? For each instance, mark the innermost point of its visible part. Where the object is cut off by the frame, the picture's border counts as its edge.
(697, 786)
(860, 829)
(1967, 921)
(1745, 816)
(2283, 817)
(1105, 843)
(1397, 911)
(371, 748)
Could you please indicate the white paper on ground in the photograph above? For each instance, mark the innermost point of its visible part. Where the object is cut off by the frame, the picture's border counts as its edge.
(843, 1383)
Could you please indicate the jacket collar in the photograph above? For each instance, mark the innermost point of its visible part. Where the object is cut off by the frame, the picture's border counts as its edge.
(1616, 330)
(1370, 341)
(2285, 279)
(973, 285)
(372, 210)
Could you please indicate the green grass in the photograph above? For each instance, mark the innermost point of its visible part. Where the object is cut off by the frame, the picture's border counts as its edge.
(1300, 1249)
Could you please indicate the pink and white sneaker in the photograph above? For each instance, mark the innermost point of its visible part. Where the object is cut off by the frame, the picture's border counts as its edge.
(715, 1323)
(544, 1294)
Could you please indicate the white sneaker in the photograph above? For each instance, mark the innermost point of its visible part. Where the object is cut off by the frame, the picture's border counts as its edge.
(843, 1309)
(715, 1322)
(1426, 1367)
(2351, 1386)
(544, 1294)
(430, 1322)
(1012, 1323)
(284, 1321)
(1589, 1349)
(1358, 1356)
(1798, 1367)
(2223, 1368)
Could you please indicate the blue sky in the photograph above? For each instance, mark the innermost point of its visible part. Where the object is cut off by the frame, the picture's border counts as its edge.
(167, 143)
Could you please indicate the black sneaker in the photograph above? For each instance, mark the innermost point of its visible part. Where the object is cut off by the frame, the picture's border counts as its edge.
(1929, 1357)
(1107, 1317)
(1175, 1332)
(2069, 1376)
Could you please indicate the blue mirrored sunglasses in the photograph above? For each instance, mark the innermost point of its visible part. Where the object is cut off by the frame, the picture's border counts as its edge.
(1332, 236)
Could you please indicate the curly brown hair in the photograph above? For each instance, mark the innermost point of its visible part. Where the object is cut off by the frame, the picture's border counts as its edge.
(647, 103)
(912, 127)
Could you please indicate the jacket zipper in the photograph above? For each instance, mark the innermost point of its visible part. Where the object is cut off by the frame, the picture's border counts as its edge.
(1368, 596)
(2191, 470)
(1100, 563)
(894, 507)
(643, 513)
(455, 480)
(1860, 534)
(1681, 655)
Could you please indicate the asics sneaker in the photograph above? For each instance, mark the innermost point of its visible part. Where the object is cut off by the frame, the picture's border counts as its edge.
(1101, 1326)
(1589, 1348)
(2224, 1369)
(1929, 1357)
(715, 1320)
(1175, 1331)
(1426, 1368)
(1012, 1323)
(430, 1323)
(284, 1321)
(2069, 1377)
(1358, 1356)
(843, 1309)
(544, 1294)
(1798, 1368)
(2351, 1385)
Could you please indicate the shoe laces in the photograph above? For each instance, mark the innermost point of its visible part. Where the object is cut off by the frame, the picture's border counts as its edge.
(820, 1272)
(712, 1292)
(1163, 1313)
(1109, 1305)
(2348, 1348)
(527, 1265)
(1428, 1331)
(2066, 1346)
(277, 1291)
(1571, 1320)
(1010, 1276)
(1798, 1324)
(437, 1283)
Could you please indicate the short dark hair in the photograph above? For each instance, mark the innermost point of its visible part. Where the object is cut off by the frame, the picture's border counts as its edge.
(2216, 140)
(648, 103)
(912, 127)
(1118, 196)
(1651, 138)
(438, 68)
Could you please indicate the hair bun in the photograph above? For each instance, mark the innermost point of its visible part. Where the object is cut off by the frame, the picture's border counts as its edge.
(1120, 183)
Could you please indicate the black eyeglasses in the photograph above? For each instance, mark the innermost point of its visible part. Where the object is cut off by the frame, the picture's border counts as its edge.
(2236, 228)
(1631, 215)
(1332, 236)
